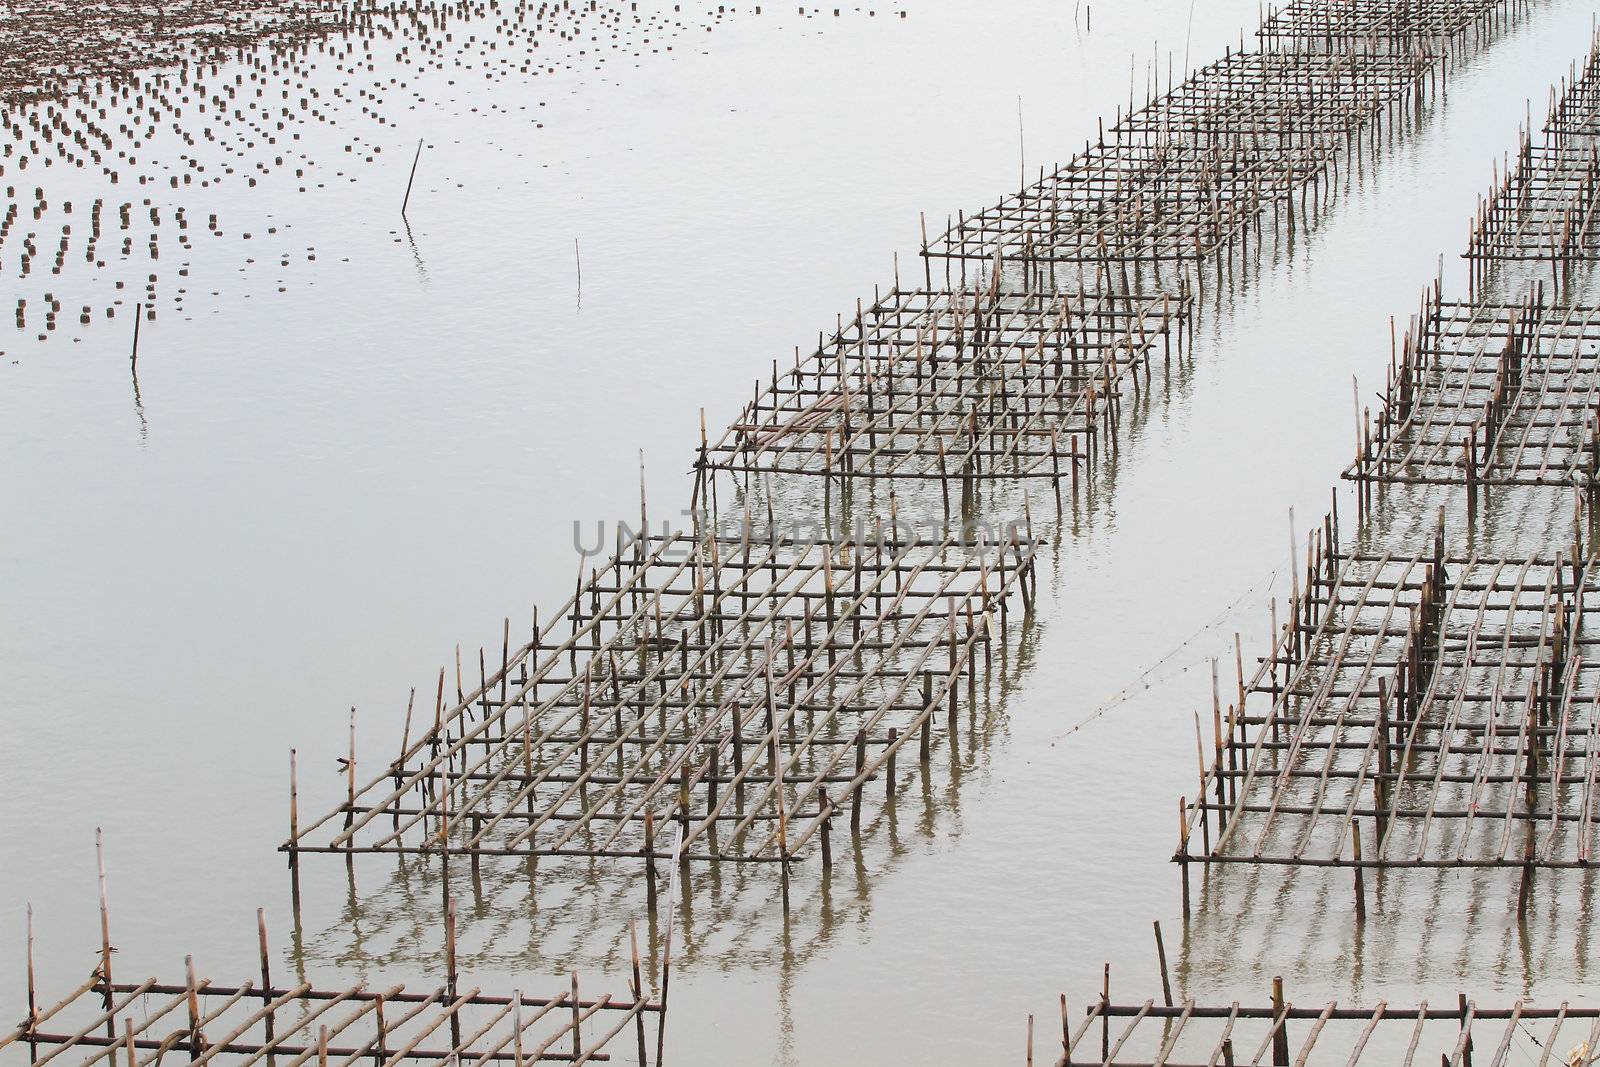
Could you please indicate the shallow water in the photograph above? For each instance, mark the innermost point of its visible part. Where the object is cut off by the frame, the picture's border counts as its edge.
(322, 490)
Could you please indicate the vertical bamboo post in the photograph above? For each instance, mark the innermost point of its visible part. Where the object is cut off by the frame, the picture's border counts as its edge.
(577, 1021)
(450, 970)
(105, 929)
(33, 991)
(1361, 892)
(294, 827)
(1280, 1036)
(1161, 958)
(414, 159)
(266, 972)
(1183, 849)
(516, 1011)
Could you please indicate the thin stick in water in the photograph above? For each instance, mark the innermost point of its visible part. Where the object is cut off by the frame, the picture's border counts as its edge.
(406, 202)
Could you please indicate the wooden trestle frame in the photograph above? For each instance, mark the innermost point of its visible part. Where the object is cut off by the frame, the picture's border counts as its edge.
(746, 688)
(1418, 710)
(956, 386)
(1194, 170)
(1160, 1033)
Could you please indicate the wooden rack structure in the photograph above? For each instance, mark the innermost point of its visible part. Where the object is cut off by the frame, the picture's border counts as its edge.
(1488, 394)
(1425, 709)
(141, 1023)
(1189, 1033)
(747, 689)
(1017, 372)
(1419, 710)
(1544, 208)
(1188, 175)
(1395, 23)
(955, 386)
(516, 920)
(1491, 393)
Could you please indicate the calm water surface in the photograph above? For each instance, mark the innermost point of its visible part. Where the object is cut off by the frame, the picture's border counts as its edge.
(325, 489)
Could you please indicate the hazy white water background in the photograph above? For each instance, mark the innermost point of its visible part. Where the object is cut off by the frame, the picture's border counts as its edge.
(340, 481)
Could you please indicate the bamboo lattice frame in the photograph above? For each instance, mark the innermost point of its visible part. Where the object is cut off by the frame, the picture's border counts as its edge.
(138, 1024)
(1543, 210)
(1393, 22)
(746, 688)
(1275, 99)
(1191, 1034)
(955, 385)
(1544, 207)
(530, 923)
(1486, 394)
(1574, 115)
(1191, 171)
(1141, 199)
(1451, 703)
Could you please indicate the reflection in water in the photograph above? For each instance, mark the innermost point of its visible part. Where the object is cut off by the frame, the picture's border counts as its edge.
(416, 255)
(551, 914)
(138, 403)
(1424, 928)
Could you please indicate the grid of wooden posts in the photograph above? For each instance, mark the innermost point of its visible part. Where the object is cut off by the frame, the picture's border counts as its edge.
(140, 1023)
(746, 689)
(1188, 175)
(517, 913)
(1544, 207)
(1420, 710)
(952, 386)
(1395, 23)
(1489, 393)
(1275, 1031)
(1146, 193)
(1481, 394)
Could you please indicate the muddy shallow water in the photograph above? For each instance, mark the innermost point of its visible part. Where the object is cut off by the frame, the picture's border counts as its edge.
(317, 492)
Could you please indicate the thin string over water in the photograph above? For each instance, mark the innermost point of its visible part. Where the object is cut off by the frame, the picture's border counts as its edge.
(1143, 683)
